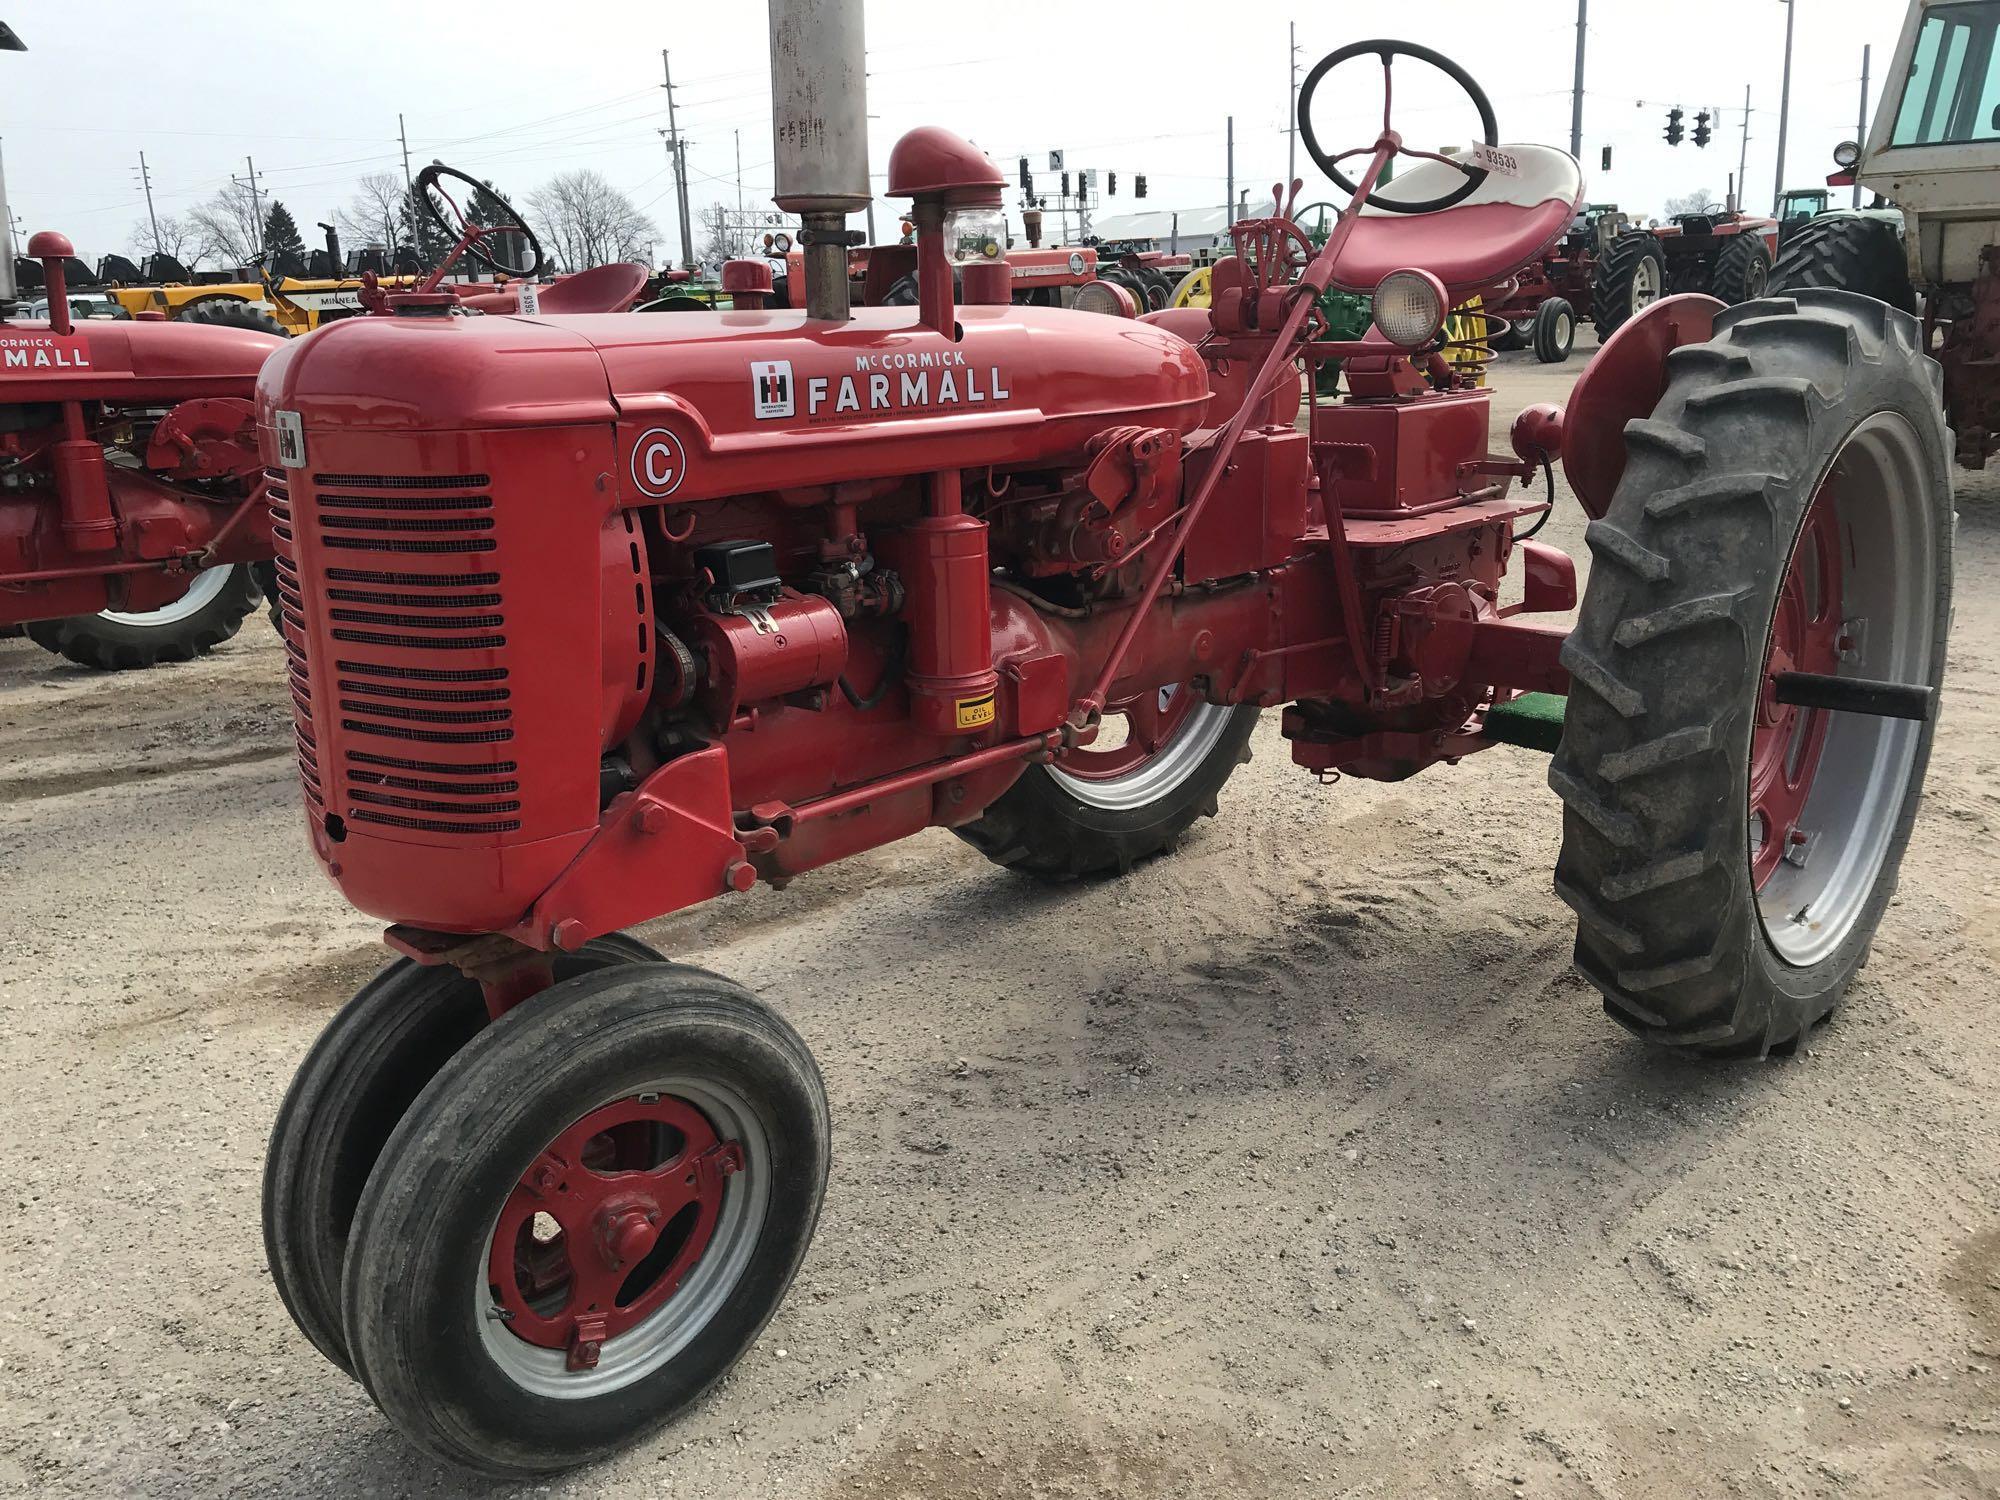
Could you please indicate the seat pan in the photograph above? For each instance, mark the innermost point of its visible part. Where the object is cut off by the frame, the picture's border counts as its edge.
(1508, 223)
(608, 288)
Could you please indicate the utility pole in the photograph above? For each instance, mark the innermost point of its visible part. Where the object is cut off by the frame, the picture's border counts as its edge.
(677, 157)
(1576, 89)
(1229, 212)
(1861, 123)
(1292, 114)
(1743, 154)
(410, 193)
(256, 204)
(146, 182)
(1784, 104)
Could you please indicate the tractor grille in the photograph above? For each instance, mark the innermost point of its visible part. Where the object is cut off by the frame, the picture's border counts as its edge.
(403, 651)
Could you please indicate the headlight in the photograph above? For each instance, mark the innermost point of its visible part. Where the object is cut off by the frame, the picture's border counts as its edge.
(1846, 154)
(782, 244)
(1105, 297)
(1409, 308)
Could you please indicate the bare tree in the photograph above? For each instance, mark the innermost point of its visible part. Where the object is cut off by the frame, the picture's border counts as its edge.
(375, 215)
(585, 221)
(178, 237)
(1700, 201)
(229, 223)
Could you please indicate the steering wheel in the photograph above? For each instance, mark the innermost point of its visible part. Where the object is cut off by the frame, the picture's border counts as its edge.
(1388, 51)
(475, 237)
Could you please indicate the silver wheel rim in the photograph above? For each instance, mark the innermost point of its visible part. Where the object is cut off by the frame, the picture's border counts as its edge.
(1645, 283)
(1890, 557)
(207, 587)
(1161, 772)
(643, 1348)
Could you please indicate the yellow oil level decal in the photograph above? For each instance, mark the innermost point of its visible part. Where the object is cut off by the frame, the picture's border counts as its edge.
(975, 713)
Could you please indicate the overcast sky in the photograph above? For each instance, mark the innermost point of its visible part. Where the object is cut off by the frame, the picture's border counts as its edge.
(518, 92)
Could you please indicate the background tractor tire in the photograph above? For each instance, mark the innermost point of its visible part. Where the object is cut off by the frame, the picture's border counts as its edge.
(1059, 827)
(1787, 401)
(1507, 337)
(1628, 277)
(1848, 255)
(229, 312)
(1554, 331)
(1742, 269)
(209, 613)
(360, 1078)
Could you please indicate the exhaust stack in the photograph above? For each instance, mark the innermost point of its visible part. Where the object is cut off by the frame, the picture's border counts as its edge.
(819, 131)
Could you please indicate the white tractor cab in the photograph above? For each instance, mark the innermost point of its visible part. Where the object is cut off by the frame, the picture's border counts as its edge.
(1932, 158)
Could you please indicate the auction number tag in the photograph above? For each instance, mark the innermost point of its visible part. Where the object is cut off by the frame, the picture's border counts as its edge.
(1493, 159)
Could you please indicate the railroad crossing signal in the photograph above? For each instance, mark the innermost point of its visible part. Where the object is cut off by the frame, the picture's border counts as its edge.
(1701, 130)
(1674, 131)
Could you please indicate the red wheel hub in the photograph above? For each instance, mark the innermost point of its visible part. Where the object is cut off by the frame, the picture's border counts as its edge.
(1151, 720)
(1786, 744)
(606, 1223)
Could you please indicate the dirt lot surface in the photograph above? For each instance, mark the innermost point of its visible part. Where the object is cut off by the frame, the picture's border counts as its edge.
(1296, 1164)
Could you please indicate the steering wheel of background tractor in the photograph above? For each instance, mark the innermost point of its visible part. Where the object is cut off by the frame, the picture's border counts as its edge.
(1322, 217)
(482, 241)
(1388, 51)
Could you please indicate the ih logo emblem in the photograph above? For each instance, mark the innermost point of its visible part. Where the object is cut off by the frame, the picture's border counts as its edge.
(771, 387)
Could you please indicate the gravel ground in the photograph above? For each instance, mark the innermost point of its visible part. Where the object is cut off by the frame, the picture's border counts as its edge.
(1296, 1164)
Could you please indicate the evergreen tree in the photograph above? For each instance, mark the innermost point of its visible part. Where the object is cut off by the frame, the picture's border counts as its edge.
(281, 232)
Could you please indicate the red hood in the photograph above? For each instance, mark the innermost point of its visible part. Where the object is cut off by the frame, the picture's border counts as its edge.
(139, 360)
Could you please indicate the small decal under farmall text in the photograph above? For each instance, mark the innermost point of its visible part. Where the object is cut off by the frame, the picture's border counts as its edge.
(42, 351)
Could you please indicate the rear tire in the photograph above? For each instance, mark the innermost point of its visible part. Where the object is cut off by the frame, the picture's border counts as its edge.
(210, 612)
(1826, 395)
(1057, 826)
(451, 1352)
(372, 1060)
(1629, 276)
(1864, 256)
(230, 312)
(1554, 332)
(1742, 269)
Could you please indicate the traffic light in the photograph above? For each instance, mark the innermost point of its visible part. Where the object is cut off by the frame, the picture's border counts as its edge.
(1701, 130)
(1027, 182)
(1065, 184)
(1674, 131)
(1604, 160)
(1111, 184)
(1139, 186)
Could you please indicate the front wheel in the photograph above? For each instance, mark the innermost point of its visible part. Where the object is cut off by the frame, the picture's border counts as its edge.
(1785, 510)
(1554, 331)
(210, 612)
(1159, 763)
(586, 1218)
(1630, 276)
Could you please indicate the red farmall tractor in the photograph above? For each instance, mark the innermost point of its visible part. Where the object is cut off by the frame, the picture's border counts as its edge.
(132, 498)
(591, 620)
(1723, 254)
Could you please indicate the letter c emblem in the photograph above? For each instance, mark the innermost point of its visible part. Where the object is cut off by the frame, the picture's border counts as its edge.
(659, 463)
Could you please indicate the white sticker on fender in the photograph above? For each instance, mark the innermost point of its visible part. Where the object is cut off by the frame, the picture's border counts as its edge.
(1493, 159)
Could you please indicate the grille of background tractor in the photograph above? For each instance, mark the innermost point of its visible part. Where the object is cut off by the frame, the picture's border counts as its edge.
(412, 611)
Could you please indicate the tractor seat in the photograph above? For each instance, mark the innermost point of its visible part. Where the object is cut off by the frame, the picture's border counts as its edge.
(609, 288)
(1508, 223)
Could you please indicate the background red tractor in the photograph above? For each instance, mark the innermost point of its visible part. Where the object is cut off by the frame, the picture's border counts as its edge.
(1726, 255)
(132, 499)
(588, 620)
